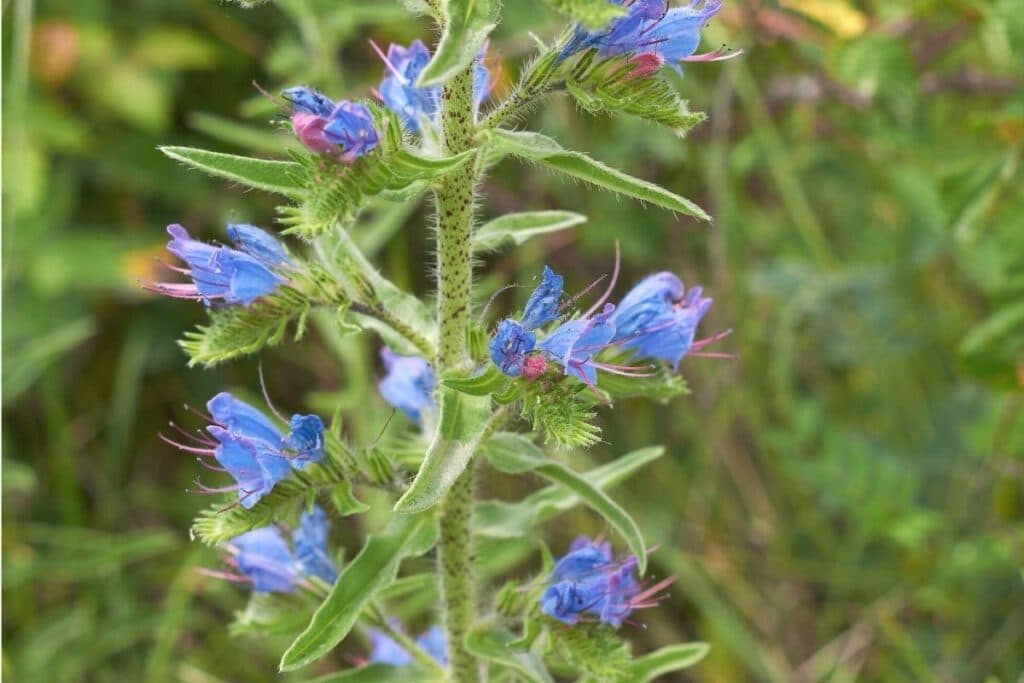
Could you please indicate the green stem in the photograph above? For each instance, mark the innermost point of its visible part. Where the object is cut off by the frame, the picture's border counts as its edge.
(454, 282)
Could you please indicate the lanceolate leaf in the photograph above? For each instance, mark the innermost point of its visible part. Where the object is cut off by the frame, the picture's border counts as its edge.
(498, 519)
(510, 453)
(461, 424)
(514, 229)
(467, 25)
(279, 177)
(666, 660)
(547, 152)
(408, 166)
(372, 570)
(493, 646)
(380, 673)
(487, 382)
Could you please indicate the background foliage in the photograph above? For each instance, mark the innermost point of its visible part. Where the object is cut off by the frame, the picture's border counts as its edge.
(845, 501)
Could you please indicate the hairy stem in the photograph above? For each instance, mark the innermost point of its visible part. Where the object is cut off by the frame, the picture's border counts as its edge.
(454, 281)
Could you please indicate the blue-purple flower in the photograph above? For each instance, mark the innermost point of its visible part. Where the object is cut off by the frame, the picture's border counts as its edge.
(310, 540)
(416, 105)
(650, 27)
(588, 584)
(576, 343)
(408, 385)
(657, 319)
(258, 243)
(386, 650)
(510, 345)
(542, 306)
(218, 273)
(247, 445)
(344, 129)
(263, 558)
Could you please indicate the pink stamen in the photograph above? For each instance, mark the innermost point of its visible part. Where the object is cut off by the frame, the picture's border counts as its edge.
(611, 285)
(227, 576)
(266, 396)
(707, 354)
(719, 55)
(205, 441)
(183, 447)
(388, 64)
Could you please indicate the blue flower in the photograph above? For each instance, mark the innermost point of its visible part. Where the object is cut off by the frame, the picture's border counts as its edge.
(589, 581)
(409, 384)
(509, 346)
(311, 546)
(656, 321)
(258, 243)
(264, 558)
(542, 306)
(322, 124)
(386, 650)
(249, 447)
(351, 126)
(576, 343)
(399, 90)
(649, 27)
(433, 642)
(413, 104)
(217, 273)
(306, 439)
(309, 101)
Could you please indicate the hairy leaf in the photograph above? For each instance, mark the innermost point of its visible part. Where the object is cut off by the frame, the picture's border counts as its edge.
(492, 645)
(547, 152)
(484, 384)
(467, 23)
(279, 177)
(514, 454)
(514, 229)
(666, 660)
(373, 569)
(461, 423)
(497, 519)
(380, 673)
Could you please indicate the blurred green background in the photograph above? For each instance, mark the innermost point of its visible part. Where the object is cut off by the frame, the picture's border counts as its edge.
(844, 502)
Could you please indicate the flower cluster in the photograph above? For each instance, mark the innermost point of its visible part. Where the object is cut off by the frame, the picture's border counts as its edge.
(589, 583)
(651, 34)
(656, 320)
(408, 385)
(343, 129)
(249, 446)
(386, 650)
(263, 558)
(218, 273)
(415, 105)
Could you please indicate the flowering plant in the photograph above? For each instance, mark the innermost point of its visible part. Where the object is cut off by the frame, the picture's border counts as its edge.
(509, 396)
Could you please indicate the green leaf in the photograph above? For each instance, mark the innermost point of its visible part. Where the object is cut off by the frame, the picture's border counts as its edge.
(410, 167)
(279, 177)
(514, 454)
(593, 14)
(373, 569)
(493, 646)
(379, 673)
(269, 614)
(484, 384)
(514, 229)
(217, 524)
(547, 152)
(666, 660)
(345, 502)
(461, 423)
(467, 23)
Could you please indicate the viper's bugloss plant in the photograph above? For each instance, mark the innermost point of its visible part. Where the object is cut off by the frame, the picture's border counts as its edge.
(512, 395)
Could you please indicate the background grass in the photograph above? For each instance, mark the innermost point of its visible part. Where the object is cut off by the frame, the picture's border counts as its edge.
(844, 502)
